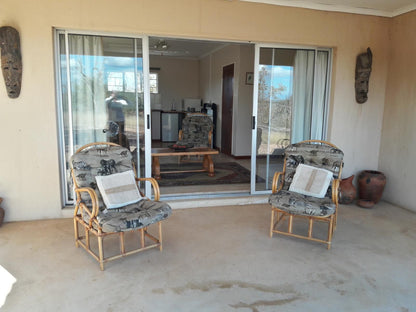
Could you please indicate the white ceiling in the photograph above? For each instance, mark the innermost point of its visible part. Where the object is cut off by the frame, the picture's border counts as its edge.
(388, 8)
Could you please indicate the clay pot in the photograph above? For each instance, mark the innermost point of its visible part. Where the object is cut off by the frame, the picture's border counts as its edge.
(1, 213)
(370, 187)
(347, 191)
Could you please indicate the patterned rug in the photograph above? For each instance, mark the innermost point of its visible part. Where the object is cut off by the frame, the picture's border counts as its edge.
(225, 173)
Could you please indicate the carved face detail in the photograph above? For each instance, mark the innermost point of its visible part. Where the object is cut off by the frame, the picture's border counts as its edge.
(362, 76)
(11, 60)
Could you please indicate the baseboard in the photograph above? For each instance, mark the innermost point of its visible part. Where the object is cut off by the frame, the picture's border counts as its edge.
(242, 157)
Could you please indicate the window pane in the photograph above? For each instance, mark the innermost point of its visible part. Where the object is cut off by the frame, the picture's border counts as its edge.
(154, 88)
(292, 90)
(102, 103)
(115, 81)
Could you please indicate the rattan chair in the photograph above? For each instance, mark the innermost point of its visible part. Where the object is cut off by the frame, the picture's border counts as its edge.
(290, 205)
(196, 130)
(91, 215)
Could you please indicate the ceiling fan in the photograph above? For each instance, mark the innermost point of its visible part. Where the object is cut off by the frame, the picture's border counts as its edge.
(161, 45)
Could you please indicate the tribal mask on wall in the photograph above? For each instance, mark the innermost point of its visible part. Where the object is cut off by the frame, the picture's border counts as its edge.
(11, 60)
(362, 75)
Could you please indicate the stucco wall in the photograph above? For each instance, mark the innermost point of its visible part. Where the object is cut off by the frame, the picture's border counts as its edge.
(29, 170)
(398, 148)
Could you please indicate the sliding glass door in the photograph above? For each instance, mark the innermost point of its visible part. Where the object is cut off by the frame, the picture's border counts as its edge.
(291, 87)
(101, 95)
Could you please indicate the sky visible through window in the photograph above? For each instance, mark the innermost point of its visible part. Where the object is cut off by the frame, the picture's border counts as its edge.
(280, 76)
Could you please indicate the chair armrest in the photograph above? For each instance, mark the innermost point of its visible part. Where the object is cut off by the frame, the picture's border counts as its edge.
(94, 199)
(277, 186)
(335, 190)
(180, 135)
(155, 186)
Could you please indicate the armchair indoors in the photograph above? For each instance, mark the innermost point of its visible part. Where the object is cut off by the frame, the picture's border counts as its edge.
(304, 191)
(109, 202)
(196, 130)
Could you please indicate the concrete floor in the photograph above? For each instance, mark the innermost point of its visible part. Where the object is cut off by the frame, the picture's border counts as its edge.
(220, 259)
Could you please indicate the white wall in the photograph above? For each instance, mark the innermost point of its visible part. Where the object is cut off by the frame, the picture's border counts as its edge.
(244, 109)
(398, 148)
(242, 56)
(226, 56)
(29, 170)
(178, 79)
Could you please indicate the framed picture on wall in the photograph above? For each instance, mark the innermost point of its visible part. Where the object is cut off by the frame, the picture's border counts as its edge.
(249, 78)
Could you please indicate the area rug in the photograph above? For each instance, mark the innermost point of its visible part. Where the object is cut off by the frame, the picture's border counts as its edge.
(225, 173)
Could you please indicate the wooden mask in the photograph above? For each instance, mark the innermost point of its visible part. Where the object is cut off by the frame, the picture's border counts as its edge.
(11, 60)
(362, 75)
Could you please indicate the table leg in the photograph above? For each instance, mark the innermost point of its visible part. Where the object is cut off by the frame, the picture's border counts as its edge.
(209, 165)
(156, 168)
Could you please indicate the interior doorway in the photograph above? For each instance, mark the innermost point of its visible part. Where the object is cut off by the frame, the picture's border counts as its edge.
(227, 109)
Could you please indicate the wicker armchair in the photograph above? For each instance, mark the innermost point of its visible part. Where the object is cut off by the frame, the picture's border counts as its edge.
(196, 130)
(289, 204)
(104, 159)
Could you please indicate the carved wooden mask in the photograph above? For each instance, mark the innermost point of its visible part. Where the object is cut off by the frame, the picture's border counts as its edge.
(362, 75)
(11, 60)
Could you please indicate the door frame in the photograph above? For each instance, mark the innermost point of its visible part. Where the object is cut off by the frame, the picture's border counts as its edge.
(257, 48)
(232, 110)
(146, 111)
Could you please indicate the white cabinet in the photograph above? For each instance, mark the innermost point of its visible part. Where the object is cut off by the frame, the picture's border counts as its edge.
(156, 124)
(170, 126)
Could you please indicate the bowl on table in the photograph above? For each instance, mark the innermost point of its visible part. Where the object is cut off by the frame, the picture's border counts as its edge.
(181, 147)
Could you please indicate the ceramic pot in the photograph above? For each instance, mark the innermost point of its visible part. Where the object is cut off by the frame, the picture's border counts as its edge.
(1, 213)
(347, 191)
(370, 187)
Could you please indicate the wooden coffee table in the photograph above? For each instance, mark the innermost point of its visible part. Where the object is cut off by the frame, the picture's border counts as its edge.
(207, 163)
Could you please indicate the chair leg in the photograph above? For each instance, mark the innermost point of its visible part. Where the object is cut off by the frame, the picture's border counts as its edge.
(310, 227)
(101, 252)
(160, 236)
(272, 224)
(290, 224)
(76, 232)
(142, 237)
(122, 246)
(330, 231)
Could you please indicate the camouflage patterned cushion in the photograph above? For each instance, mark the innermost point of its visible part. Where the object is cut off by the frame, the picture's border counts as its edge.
(299, 204)
(196, 130)
(134, 216)
(99, 161)
(316, 155)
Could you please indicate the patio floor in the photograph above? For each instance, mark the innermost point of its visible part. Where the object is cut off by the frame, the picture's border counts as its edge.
(220, 259)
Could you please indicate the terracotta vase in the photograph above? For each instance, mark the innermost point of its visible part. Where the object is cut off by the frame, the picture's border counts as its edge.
(370, 187)
(347, 192)
(1, 213)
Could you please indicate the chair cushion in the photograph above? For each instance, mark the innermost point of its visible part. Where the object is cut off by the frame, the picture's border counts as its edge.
(195, 129)
(118, 189)
(299, 204)
(316, 155)
(134, 216)
(311, 181)
(101, 161)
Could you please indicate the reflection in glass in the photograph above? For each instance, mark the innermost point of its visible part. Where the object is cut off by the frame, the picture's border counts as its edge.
(292, 88)
(103, 103)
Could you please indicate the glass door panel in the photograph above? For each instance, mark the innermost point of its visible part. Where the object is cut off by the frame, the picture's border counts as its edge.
(100, 95)
(290, 98)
